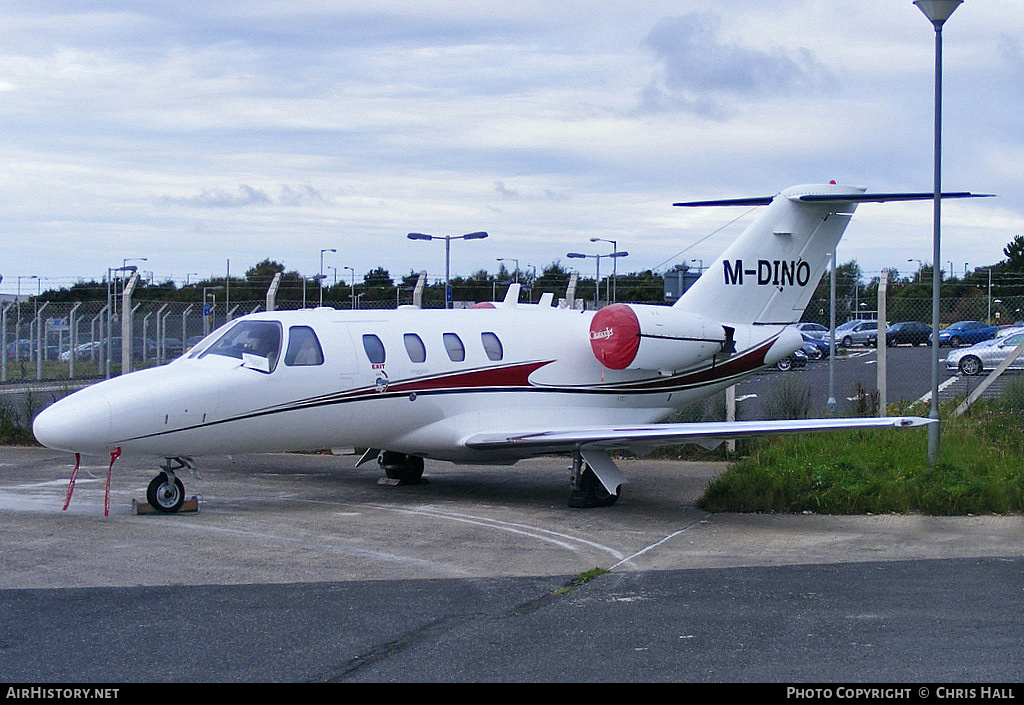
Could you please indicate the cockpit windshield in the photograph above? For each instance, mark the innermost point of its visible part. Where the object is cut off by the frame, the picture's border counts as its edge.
(259, 338)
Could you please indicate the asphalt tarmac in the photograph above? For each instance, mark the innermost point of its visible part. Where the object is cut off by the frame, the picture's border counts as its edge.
(300, 568)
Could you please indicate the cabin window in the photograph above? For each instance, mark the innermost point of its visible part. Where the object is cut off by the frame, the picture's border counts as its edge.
(453, 345)
(415, 347)
(259, 338)
(303, 348)
(492, 346)
(374, 348)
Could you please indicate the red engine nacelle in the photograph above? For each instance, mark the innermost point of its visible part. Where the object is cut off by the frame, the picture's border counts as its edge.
(639, 337)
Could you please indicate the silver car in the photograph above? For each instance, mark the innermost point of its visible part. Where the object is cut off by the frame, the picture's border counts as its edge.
(986, 355)
(859, 332)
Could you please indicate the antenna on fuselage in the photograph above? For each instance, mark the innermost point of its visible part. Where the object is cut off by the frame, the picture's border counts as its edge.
(272, 291)
(417, 294)
(570, 292)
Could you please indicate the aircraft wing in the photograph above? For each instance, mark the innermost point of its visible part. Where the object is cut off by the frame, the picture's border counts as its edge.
(595, 443)
(641, 437)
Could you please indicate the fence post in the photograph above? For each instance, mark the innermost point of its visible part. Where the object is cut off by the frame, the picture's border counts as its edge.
(127, 314)
(73, 344)
(161, 334)
(3, 343)
(881, 342)
(40, 339)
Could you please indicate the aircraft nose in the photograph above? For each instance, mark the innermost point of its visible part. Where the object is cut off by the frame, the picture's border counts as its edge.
(78, 424)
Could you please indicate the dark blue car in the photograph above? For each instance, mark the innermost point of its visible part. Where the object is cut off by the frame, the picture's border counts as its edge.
(966, 333)
(816, 348)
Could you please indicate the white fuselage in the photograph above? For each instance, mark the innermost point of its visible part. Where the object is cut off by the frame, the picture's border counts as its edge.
(418, 400)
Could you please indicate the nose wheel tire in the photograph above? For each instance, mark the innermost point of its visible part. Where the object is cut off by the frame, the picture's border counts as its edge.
(165, 494)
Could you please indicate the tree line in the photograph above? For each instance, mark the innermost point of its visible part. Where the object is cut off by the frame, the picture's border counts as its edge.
(1005, 278)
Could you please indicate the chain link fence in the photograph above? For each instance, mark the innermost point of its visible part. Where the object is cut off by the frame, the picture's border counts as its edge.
(60, 340)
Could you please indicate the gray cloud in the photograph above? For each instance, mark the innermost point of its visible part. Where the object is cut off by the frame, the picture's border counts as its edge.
(246, 196)
(702, 71)
(218, 198)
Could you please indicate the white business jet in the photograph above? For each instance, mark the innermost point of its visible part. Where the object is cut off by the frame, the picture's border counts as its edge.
(492, 384)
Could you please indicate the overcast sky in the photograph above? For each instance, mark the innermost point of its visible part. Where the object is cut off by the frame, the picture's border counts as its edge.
(195, 134)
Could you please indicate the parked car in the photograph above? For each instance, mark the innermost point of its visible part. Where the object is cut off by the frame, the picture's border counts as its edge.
(172, 348)
(83, 351)
(797, 359)
(910, 332)
(20, 349)
(986, 355)
(965, 333)
(1009, 330)
(816, 348)
(857, 332)
(813, 330)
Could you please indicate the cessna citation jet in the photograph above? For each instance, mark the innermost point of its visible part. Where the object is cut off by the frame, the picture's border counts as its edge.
(495, 383)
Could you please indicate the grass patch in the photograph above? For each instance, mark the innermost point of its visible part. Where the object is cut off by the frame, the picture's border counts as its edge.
(980, 469)
(16, 420)
(580, 580)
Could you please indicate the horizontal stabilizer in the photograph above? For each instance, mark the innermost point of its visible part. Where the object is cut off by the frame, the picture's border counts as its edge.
(883, 197)
(754, 201)
(834, 198)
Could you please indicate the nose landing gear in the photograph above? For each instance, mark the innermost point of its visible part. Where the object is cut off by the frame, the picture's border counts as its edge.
(166, 493)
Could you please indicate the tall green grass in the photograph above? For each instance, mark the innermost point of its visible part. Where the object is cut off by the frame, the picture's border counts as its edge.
(980, 469)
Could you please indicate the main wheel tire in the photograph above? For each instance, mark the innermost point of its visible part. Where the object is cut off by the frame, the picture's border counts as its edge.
(165, 496)
(970, 365)
(402, 467)
(591, 493)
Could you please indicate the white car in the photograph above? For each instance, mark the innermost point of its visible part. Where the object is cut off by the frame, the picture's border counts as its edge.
(986, 355)
(814, 330)
(81, 351)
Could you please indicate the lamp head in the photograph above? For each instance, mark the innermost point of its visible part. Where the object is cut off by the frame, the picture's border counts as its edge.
(937, 11)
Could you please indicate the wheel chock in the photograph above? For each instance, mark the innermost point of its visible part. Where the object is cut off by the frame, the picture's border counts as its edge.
(189, 506)
(394, 482)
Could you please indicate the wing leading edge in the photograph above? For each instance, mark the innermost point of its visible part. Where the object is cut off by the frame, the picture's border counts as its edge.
(595, 443)
(653, 435)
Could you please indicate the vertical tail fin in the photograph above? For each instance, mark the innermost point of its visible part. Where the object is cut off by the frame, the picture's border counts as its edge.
(768, 274)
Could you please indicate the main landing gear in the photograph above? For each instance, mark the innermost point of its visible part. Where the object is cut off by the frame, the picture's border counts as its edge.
(586, 489)
(165, 493)
(401, 469)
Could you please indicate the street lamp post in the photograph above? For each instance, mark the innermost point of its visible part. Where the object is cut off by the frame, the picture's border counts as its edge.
(920, 266)
(208, 311)
(937, 12)
(448, 256)
(320, 281)
(615, 269)
(516, 273)
(597, 258)
(110, 310)
(352, 290)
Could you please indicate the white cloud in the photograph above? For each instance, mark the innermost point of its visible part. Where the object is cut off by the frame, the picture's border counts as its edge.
(239, 131)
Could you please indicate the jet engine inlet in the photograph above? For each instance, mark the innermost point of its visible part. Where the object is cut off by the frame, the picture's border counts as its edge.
(641, 337)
